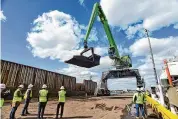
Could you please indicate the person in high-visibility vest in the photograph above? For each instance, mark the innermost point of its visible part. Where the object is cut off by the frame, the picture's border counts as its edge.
(139, 100)
(17, 98)
(61, 100)
(43, 98)
(4, 94)
(27, 97)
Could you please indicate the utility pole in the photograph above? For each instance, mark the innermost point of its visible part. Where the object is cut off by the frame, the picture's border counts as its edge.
(151, 52)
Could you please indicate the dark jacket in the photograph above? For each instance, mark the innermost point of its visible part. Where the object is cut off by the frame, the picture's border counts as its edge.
(4, 94)
(28, 94)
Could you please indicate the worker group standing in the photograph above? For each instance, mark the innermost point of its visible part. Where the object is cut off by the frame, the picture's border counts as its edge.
(139, 100)
(27, 97)
(43, 99)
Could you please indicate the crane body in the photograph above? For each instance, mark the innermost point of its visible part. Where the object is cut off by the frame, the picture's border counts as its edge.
(119, 62)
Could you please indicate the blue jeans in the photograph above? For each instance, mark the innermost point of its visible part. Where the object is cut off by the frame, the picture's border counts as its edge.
(25, 109)
(12, 113)
(139, 107)
(41, 109)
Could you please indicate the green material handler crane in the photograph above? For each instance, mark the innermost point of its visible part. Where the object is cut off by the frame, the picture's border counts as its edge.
(94, 59)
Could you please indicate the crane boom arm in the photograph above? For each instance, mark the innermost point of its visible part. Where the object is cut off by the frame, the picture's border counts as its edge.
(97, 11)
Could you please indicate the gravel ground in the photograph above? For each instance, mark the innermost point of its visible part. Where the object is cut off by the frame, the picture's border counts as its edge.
(93, 108)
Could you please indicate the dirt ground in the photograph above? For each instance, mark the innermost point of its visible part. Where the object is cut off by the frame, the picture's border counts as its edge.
(92, 108)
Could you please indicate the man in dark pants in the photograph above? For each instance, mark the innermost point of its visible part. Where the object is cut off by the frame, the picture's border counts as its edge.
(61, 96)
(27, 97)
(43, 98)
(17, 98)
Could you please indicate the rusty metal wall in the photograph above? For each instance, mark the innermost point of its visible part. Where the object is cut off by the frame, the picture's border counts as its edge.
(13, 74)
(85, 82)
(59, 81)
(80, 87)
(67, 83)
(90, 86)
(51, 80)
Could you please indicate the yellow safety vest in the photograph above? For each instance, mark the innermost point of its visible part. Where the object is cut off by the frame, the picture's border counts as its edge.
(62, 96)
(25, 96)
(16, 98)
(43, 95)
(1, 102)
(140, 98)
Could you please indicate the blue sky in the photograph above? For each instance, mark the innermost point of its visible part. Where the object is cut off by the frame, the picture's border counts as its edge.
(22, 42)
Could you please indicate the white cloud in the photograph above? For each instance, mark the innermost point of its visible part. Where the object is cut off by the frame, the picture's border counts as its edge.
(132, 30)
(162, 49)
(176, 26)
(160, 46)
(153, 14)
(81, 2)
(122, 50)
(56, 35)
(2, 17)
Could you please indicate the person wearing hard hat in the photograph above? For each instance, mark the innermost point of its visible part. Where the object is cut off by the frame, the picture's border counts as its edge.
(17, 98)
(139, 101)
(27, 97)
(4, 94)
(61, 100)
(43, 98)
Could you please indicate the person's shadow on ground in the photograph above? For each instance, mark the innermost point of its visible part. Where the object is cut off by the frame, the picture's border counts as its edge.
(74, 117)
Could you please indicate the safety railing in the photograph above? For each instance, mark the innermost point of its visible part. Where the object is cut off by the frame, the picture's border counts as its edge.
(160, 110)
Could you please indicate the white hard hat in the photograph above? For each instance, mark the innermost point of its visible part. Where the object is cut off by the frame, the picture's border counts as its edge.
(138, 89)
(62, 88)
(44, 86)
(21, 86)
(2, 86)
(30, 86)
(141, 89)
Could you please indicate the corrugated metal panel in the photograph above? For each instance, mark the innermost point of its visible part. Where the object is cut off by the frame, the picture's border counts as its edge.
(80, 87)
(51, 80)
(73, 83)
(6, 72)
(59, 80)
(85, 82)
(13, 74)
(67, 82)
(89, 85)
(40, 78)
